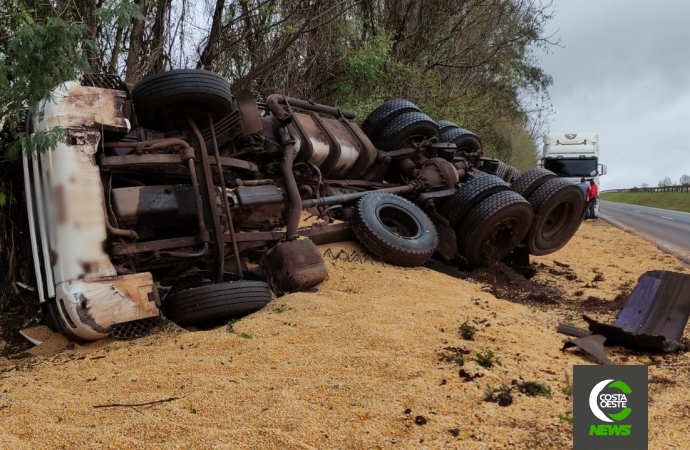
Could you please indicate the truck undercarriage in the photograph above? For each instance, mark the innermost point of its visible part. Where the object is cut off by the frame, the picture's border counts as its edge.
(183, 198)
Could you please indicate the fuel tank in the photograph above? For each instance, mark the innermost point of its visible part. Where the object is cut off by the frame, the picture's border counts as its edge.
(339, 148)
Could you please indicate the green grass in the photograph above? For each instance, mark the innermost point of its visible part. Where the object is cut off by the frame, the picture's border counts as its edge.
(677, 201)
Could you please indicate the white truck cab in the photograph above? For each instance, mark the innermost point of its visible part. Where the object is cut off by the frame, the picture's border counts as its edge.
(67, 218)
(573, 156)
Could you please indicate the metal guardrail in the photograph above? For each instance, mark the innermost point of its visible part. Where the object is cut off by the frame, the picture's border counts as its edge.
(680, 188)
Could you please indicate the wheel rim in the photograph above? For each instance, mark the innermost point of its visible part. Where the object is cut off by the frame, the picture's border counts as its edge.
(558, 218)
(417, 138)
(502, 240)
(399, 222)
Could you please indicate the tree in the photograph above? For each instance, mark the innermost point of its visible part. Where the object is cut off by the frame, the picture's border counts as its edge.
(644, 185)
(38, 50)
(684, 180)
(472, 62)
(666, 182)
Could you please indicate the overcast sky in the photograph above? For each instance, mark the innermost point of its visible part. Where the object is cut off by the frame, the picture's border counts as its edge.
(624, 72)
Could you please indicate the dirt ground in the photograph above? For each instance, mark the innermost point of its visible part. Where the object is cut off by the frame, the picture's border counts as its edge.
(374, 358)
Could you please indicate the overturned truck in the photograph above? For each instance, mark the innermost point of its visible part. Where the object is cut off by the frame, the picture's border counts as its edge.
(182, 198)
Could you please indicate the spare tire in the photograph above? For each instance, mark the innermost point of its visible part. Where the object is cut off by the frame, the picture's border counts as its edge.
(529, 181)
(558, 205)
(382, 116)
(394, 229)
(216, 301)
(494, 228)
(410, 127)
(456, 207)
(176, 92)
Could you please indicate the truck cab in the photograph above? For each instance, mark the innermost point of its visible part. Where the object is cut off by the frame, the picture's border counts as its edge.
(573, 156)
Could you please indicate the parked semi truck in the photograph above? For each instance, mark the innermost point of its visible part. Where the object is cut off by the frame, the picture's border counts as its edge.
(573, 156)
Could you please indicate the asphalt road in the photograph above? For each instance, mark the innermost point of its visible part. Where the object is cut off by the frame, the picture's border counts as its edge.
(668, 229)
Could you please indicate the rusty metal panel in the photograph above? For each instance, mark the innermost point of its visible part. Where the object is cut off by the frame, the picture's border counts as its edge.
(310, 132)
(594, 345)
(258, 195)
(367, 153)
(103, 80)
(294, 266)
(83, 107)
(154, 205)
(249, 112)
(92, 307)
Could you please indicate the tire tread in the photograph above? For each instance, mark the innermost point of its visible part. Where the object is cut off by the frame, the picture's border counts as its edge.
(387, 251)
(216, 301)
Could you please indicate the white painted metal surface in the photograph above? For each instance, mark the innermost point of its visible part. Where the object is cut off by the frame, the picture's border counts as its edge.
(71, 222)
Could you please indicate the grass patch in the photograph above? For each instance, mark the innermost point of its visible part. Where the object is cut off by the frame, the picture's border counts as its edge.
(453, 355)
(626, 286)
(676, 201)
(500, 395)
(534, 389)
(568, 388)
(467, 331)
(488, 359)
(567, 417)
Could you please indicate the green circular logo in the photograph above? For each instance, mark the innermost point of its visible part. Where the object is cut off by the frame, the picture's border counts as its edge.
(597, 400)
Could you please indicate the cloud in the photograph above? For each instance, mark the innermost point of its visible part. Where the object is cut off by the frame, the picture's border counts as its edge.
(624, 73)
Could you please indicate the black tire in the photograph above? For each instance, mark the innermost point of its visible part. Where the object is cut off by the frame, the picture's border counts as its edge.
(529, 181)
(558, 206)
(56, 323)
(444, 125)
(464, 140)
(494, 228)
(188, 91)
(394, 230)
(216, 301)
(512, 174)
(410, 127)
(458, 205)
(381, 116)
(501, 170)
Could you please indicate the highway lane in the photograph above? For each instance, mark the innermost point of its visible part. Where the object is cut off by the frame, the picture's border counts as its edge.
(668, 229)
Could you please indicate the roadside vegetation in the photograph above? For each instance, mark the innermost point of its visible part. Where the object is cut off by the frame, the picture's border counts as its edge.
(676, 201)
(471, 62)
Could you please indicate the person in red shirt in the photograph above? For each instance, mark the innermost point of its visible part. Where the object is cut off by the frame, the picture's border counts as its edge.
(592, 195)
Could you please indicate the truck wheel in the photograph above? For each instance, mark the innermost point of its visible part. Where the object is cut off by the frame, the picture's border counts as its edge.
(512, 174)
(188, 91)
(394, 229)
(56, 323)
(382, 116)
(501, 170)
(465, 140)
(558, 206)
(529, 181)
(494, 228)
(405, 129)
(216, 301)
(456, 207)
(444, 125)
